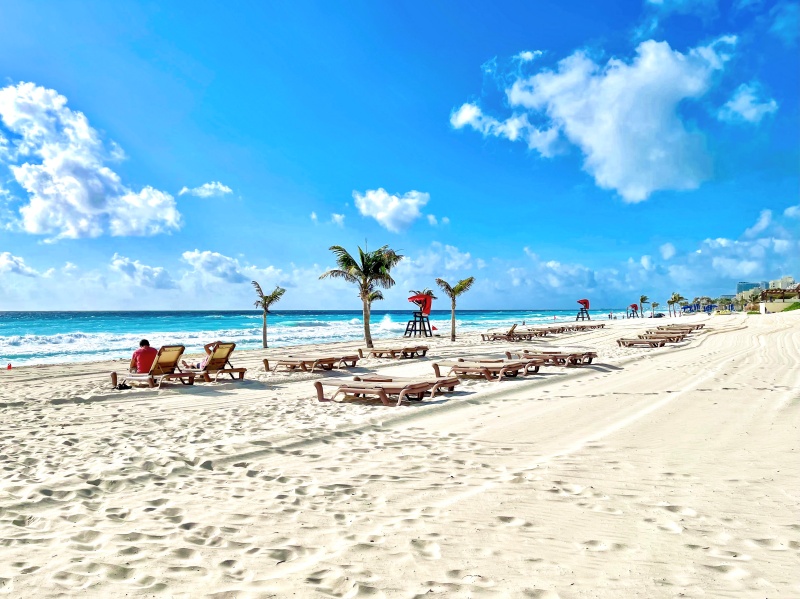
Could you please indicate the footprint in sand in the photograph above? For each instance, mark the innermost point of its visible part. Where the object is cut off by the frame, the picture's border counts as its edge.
(426, 549)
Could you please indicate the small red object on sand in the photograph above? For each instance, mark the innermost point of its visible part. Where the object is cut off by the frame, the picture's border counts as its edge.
(9, 366)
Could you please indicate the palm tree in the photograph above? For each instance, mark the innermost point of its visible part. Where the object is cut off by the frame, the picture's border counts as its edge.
(264, 302)
(643, 299)
(374, 296)
(670, 305)
(371, 270)
(653, 306)
(453, 292)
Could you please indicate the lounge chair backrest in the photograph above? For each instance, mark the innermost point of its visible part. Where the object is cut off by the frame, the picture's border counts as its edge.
(511, 330)
(219, 356)
(166, 360)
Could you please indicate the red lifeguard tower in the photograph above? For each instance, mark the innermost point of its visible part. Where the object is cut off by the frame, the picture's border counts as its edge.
(583, 313)
(420, 326)
(633, 311)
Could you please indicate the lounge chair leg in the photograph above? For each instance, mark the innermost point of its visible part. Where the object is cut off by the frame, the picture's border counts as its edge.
(436, 369)
(320, 395)
(266, 364)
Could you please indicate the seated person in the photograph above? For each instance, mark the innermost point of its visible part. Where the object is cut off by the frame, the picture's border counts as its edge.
(209, 349)
(141, 361)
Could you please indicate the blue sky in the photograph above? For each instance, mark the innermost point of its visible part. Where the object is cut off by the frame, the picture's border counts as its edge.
(162, 155)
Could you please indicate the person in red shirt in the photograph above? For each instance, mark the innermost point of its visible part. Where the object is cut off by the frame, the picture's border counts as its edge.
(141, 361)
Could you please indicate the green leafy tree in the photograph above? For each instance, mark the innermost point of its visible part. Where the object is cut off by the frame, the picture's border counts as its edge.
(369, 271)
(425, 291)
(453, 292)
(653, 306)
(264, 302)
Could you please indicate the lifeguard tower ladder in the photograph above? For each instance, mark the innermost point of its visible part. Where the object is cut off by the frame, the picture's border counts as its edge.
(420, 325)
(583, 313)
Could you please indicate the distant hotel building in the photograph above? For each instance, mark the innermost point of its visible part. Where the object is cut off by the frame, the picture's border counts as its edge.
(786, 282)
(744, 286)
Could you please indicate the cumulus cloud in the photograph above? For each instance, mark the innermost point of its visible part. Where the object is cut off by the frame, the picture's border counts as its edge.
(148, 277)
(764, 220)
(207, 190)
(314, 217)
(337, 219)
(528, 55)
(214, 264)
(60, 162)
(623, 115)
(792, 211)
(394, 212)
(747, 106)
(667, 251)
(15, 265)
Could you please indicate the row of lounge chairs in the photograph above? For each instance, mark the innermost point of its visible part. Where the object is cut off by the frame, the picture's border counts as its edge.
(660, 336)
(526, 334)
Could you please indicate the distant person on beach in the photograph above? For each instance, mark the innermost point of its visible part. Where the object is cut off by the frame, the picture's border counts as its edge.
(141, 361)
(209, 349)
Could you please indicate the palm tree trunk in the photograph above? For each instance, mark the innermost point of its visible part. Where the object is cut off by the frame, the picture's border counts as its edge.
(453, 321)
(264, 330)
(367, 334)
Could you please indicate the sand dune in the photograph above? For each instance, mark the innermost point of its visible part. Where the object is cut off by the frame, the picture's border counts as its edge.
(670, 472)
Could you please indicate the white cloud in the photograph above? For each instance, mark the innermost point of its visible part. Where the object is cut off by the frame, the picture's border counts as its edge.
(15, 265)
(746, 106)
(148, 277)
(513, 128)
(394, 212)
(207, 190)
(764, 220)
(667, 251)
(59, 160)
(337, 219)
(528, 55)
(432, 220)
(646, 262)
(214, 264)
(623, 115)
(314, 217)
(792, 212)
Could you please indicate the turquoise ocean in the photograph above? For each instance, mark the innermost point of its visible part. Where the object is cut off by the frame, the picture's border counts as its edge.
(53, 337)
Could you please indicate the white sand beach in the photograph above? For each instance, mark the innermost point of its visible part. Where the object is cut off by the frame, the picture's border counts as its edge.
(668, 472)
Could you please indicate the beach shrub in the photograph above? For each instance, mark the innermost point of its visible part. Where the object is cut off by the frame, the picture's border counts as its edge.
(794, 306)
(753, 312)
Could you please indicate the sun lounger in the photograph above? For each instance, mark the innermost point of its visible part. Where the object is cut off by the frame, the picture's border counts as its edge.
(380, 389)
(555, 358)
(311, 363)
(491, 370)
(676, 337)
(219, 364)
(441, 384)
(641, 342)
(499, 336)
(400, 351)
(164, 368)
(532, 363)
(527, 334)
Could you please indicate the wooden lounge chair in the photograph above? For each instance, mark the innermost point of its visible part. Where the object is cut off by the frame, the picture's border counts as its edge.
(491, 370)
(555, 358)
(380, 389)
(641, 342)
(676, 337)
(443, 384)
(400, 351)
(532, 363)
(499, 336)
(311, 363)
(528, 334)
(164, 368)
(219, 364)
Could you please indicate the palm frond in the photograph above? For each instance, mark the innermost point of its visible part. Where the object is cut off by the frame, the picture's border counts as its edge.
(340, 274)
(445, 286)
(463, 285)
(258, 289)
(273, 297)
